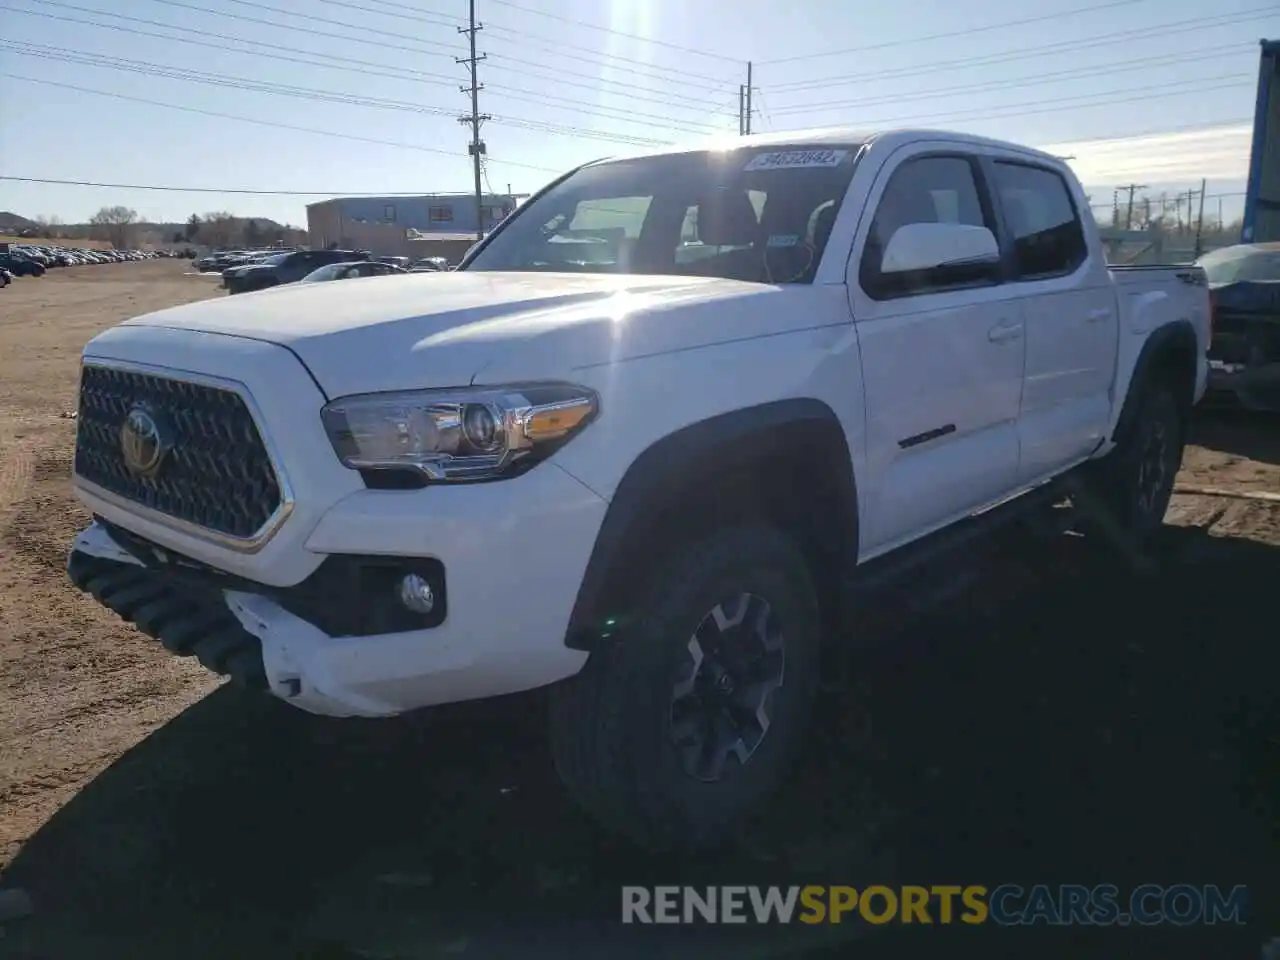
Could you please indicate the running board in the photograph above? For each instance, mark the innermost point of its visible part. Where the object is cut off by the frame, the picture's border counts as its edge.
(897, 566)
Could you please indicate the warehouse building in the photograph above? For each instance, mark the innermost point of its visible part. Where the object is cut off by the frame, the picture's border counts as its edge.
(405, 226)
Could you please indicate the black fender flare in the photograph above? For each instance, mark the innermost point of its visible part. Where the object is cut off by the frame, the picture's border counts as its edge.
(715, 444)
(1177, 336)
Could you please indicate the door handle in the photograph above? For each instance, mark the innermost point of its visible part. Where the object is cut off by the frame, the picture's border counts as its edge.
(1004, 332)
(1097, 316)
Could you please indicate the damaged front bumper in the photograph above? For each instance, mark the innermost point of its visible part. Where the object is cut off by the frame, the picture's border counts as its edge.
(188, 621)
(1244, 355)
(1253, 387)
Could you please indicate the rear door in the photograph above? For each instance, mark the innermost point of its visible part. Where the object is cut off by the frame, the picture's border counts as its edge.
(942, 361)
(1068, 308)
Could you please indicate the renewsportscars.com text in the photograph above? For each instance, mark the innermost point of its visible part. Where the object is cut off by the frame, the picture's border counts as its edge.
(1005, 905)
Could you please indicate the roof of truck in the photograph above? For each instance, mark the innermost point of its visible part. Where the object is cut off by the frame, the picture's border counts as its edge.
(834, 135)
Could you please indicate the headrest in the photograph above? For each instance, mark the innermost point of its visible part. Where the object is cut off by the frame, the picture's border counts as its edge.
(727, 219)
(822, 226)
(909, 206)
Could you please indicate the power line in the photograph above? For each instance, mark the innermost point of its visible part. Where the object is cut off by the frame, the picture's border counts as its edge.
(333, 61)
(1198, 24)
(765, 114)
(522, 36)
(514, 163)
(1213, 53)
(275, 124)
(431, 43)
(986, 114)
(1042, 106)
(110, 62)
(1119, 140)
(952, 34)
(608, 30)
(333, 96)
(1208, 196)
(449, 49)
(233, 190)
(65, 55)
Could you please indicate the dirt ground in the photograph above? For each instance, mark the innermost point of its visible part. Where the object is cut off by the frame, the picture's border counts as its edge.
(1059, 722)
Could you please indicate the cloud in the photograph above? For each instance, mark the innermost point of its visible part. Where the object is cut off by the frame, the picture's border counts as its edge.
(1216, 153)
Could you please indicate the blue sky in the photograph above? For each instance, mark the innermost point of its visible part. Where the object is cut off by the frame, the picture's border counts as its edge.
(571, 80)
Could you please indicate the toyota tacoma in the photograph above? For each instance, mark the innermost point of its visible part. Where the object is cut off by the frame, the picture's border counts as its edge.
(636, 449)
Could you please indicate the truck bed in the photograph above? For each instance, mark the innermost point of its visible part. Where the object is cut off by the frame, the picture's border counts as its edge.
(1144, 274)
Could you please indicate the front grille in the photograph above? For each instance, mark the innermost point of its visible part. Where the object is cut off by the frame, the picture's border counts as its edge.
(215, 473)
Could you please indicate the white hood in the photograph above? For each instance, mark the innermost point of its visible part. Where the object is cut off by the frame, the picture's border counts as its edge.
(443, 329)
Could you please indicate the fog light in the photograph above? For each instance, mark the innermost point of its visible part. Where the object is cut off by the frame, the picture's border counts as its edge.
(416, 595)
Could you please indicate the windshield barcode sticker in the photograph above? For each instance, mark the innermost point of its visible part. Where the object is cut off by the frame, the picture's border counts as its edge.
(795, 159)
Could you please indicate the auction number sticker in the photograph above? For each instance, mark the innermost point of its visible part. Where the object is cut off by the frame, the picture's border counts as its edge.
(796, 159)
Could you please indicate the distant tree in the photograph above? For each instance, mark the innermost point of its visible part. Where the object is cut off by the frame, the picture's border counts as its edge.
(192, 229)
(49, 227)
(179, 236)
(220, 229)
(115, 224)
(253, 234)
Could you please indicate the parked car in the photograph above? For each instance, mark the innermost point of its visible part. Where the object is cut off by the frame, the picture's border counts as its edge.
(289, 268)
(351, 270)
(241, 264)
(644, 481)
(21, 265)
(1244, 357)
(6, 277)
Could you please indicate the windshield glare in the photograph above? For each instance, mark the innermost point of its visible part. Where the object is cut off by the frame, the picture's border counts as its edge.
(761, 215)
(1238, 264)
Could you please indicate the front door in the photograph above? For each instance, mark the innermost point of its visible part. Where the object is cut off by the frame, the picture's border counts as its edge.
(942, 361)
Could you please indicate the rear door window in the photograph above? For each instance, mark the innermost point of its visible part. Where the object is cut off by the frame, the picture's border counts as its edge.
(1047, 233)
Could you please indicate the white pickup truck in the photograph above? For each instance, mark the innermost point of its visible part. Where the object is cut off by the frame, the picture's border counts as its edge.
(635, 448)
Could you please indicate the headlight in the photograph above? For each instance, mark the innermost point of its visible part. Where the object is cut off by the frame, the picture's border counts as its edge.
(472, 433)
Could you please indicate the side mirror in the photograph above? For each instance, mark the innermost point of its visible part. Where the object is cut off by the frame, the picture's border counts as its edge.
(928, 246)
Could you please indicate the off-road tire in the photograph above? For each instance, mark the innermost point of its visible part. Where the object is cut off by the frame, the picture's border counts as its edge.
(611, 724)
(1136, 479)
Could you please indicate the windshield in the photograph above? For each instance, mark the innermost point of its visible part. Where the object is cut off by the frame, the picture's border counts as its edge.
(1242, 263)
(761, 215)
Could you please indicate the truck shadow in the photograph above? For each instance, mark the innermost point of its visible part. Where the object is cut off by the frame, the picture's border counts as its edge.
(1059, 723)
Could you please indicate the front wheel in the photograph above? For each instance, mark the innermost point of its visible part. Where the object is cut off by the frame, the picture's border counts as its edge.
(673, 734)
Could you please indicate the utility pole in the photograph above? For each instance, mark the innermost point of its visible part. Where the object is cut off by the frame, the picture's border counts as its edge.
(1200, 221)
(742, 105)
(747, 125)
(476, 147)
(1132, 188)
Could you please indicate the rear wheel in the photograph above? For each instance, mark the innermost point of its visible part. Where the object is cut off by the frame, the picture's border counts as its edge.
(673, 734)
(1136, 480)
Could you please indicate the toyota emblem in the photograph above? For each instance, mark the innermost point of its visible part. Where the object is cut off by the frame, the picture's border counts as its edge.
(141, 443)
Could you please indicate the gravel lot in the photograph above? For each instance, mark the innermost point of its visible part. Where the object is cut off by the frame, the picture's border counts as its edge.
(1058, 722)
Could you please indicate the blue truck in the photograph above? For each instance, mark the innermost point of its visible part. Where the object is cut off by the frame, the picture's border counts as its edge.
(1262, 195)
